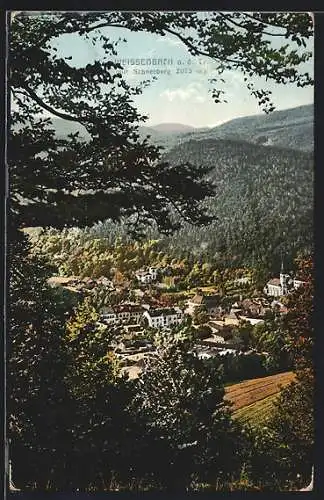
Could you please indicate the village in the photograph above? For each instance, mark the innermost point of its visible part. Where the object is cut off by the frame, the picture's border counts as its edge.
(139, 311)
(159, 251)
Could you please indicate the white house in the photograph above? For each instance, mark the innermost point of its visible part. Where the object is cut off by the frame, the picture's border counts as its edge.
(144, 277)
(147, 276)
(129, 313)
(273, 288)
(278, 287)
(123, 312)
(163, 317)
(297, 283)
(108, 314)
(153, 272)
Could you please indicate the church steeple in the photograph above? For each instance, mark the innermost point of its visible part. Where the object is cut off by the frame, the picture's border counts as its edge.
(282, 265)
(283, 278)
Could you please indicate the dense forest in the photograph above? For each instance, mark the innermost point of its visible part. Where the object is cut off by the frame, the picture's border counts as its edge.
(263, 208)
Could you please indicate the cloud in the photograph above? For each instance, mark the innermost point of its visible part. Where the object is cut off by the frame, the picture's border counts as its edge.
(234, 78)
(193, 92)
(170, 41)
(150, 53)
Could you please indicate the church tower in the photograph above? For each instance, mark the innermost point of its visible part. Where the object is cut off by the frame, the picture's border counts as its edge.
(283, 280)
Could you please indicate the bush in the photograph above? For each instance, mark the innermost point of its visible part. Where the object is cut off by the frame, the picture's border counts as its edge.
(203, 332)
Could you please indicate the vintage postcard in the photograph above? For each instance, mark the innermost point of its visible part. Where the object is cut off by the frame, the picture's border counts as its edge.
(160, 251)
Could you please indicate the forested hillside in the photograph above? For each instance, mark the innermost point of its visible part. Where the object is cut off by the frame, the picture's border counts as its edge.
(288, 128)
(262, 208)
(264, 201)
(263, 204)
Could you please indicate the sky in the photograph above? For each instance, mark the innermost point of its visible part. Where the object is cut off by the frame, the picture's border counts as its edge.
(180, 94)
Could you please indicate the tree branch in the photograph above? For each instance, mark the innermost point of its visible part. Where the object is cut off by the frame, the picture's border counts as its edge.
(105, 24)
(17, 91)
(197, 51)
(271, 25)
(167, 30)
(245, 27)
(39, 101)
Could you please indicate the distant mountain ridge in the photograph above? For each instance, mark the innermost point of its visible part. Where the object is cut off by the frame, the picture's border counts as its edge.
(290, 128)
(172, 127)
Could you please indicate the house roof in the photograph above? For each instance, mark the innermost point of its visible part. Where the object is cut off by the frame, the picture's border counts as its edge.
(247, 302)
(274, 281)
(163, 311)
(61, 280)
(229, 321)
(234, 313)
(211, 300)
(107, 310)
(197, 299)
(142, 273)
(208, 300)
(132, 308)
(87, 279)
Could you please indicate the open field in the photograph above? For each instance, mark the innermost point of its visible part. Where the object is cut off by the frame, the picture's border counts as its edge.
(252, 400)
(257, 413)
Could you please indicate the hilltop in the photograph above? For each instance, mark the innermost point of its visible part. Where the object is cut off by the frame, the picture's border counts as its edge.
(289, 128)
(172, 128)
